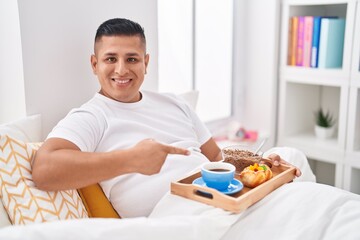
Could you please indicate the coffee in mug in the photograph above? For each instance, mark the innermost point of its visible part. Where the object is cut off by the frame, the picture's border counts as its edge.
(217, 175)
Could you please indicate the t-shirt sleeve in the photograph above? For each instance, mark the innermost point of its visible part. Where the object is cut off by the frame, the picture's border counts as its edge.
(81, 127)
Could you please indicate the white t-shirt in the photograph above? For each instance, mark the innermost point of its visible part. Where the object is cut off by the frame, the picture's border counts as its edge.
(103, 125)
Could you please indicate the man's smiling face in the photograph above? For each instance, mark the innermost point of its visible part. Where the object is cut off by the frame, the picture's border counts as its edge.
(120, 64)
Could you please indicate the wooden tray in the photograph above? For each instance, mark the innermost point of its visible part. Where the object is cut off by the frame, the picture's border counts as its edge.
(236, 202)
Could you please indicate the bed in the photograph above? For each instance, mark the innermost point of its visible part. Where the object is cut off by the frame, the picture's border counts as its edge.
(299, 210)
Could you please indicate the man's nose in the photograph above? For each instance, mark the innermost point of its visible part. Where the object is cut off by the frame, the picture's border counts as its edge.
(121, 68)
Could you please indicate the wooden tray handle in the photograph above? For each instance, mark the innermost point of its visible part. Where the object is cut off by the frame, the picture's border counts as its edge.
(205, 194)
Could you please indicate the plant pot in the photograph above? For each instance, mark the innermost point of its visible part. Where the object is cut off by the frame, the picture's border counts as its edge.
(323, 132)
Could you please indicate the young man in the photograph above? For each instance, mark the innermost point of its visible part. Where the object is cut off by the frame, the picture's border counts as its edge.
(133, 142)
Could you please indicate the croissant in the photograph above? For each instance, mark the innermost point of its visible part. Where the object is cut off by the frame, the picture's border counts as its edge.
(254, 175)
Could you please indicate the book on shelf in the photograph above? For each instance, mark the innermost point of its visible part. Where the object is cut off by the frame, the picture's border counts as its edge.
(308, 33)
(300, 41)
(292, 40)
(315, 41)
(331, 44)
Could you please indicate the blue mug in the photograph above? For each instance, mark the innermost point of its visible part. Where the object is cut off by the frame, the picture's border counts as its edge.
(217, 175)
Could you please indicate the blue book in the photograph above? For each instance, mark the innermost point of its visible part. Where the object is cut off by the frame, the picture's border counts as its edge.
(315, 42)
(331, 44)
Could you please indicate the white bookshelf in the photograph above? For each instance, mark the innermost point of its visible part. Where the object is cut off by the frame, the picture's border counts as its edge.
(302, 90)
(352, 158)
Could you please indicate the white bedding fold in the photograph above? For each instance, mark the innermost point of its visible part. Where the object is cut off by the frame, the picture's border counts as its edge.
(301, 210)
(177, 228)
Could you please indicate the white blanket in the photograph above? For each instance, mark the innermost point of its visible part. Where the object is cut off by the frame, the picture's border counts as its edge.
(300, 210)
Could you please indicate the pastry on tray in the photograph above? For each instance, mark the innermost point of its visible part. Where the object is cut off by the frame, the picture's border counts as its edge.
(256, 174)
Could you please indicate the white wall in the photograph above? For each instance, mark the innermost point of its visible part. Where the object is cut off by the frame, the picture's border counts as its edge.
(175, 16)
(213, 57)
(256, 61)
(12, 97)
(57, 41)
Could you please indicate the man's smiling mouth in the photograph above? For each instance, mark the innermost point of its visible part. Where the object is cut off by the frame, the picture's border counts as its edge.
(121, 81)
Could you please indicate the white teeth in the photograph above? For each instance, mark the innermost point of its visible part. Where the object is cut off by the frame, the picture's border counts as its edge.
(121, 81)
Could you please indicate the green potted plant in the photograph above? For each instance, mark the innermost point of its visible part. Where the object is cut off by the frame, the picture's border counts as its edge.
(324, 124)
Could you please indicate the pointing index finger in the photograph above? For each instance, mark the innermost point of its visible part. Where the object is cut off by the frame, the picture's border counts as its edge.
(176, 150)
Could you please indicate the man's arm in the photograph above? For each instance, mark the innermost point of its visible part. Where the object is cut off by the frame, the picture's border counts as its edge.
(211, 150)
(59, 164)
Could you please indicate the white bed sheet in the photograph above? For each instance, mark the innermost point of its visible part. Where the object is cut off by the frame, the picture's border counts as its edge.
(302, 210)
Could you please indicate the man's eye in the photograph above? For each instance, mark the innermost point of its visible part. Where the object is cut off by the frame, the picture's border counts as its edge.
(111, 59)
(131, 59)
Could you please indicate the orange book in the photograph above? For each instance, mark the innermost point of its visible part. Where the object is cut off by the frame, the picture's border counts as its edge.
(300, 42)
(292, 40)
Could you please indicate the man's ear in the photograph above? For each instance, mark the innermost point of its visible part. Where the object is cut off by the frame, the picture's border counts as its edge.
(93, 61)
(147, 57)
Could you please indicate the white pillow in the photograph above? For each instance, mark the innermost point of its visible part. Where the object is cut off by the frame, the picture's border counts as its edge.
(23, 201)
(27, 129)
(191, 98)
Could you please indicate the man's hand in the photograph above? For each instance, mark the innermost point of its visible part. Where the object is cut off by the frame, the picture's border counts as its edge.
(277, 160)
(150, 155)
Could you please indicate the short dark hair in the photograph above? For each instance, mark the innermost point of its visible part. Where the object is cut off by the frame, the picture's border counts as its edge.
(118, 27)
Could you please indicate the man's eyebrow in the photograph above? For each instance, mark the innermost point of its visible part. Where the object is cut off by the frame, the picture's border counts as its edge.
(127, 54)
(110, 54)
(132, 54)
